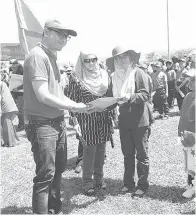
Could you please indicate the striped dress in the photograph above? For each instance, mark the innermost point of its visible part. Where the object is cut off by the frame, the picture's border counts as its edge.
(96, 128)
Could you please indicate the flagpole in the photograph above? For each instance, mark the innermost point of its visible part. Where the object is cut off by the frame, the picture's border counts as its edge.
(168, 51)
(25, 41)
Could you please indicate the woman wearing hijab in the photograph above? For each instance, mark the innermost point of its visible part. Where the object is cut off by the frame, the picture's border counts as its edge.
(8, 112)
(88, 83)
(135, 117)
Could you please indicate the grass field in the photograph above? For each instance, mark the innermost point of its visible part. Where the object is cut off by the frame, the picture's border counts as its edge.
(167, 178)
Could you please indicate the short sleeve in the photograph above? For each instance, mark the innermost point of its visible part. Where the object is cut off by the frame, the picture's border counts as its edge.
(165, 78)
(37, 68)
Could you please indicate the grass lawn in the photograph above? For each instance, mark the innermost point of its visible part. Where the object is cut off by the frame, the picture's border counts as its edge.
(167, 178)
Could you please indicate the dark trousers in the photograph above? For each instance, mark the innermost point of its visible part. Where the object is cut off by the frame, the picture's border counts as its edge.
(49, 147)
(171, 93)
(80, 154)
(179, 98)
(20, 105)
(135, 142)
(160, 100)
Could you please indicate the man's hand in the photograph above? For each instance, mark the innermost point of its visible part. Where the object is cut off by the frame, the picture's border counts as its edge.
(15, 90)
(80, 108)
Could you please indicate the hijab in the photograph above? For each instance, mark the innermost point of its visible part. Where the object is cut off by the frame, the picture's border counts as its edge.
(123, 80)
(96, 80)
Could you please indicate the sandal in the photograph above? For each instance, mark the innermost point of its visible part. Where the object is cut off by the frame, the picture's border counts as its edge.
(89, 192)
(101, 186)
(124, 190)
(139, 193)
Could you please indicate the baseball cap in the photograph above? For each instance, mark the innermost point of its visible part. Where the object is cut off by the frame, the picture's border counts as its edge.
(168, 61)
(158, 64)
(55, 24)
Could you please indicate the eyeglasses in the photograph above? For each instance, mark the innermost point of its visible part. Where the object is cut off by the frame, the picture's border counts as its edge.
(61, 35)
(93, 60)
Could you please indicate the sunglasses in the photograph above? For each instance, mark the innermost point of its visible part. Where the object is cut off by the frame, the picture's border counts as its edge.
(61, 35)
(93, 60)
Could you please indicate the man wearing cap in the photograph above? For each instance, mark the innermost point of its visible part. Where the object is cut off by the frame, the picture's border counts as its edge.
(171, 77)
(160, 88)
(44, 106)
(181, 82)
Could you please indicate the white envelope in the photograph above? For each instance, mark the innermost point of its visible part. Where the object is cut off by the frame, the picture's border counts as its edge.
(104, 102)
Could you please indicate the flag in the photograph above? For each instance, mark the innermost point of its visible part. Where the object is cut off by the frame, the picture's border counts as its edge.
(29, 29)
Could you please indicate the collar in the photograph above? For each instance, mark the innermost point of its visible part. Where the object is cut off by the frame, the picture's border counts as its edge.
(47, 51)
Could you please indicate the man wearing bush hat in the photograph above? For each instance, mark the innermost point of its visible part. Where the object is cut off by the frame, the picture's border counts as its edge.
(44, 105)
(171, 78)
(160, 90)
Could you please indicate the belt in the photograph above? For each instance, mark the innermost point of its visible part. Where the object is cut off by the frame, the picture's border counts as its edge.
(40, 118)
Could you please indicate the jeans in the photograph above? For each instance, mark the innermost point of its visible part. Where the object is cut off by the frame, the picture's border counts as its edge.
(93, 161)
(20, 104)
(49, 147)
(80, 153)
(135, 142)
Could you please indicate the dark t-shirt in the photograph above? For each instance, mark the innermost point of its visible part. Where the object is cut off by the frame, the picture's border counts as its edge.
(41, 64)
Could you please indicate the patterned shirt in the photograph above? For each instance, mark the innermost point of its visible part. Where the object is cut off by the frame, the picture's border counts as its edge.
(159, 80)
(96, 128)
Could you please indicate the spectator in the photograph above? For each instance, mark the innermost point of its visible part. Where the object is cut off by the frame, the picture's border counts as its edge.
(186, 130)
(171, 78)
(181, 82)
(160, 91)
(8, 113)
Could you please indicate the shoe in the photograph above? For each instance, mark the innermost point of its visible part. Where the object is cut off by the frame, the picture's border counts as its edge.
(126, 190)
(160, 116)
(189, 192)
(78, 169)
(101, 186)
(165, 117)
(139, 193)
(56, 208)
(89, 192)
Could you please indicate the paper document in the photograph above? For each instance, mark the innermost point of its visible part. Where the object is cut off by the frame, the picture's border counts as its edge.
(104, 102)
(15, 81)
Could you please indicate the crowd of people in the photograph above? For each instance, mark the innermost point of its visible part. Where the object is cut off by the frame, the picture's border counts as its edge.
(48, 90)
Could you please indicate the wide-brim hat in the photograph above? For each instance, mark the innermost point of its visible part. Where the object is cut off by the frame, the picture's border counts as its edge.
(55, 24)
(120, 50)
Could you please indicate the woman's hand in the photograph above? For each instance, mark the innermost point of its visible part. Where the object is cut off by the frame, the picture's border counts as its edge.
(77, 129)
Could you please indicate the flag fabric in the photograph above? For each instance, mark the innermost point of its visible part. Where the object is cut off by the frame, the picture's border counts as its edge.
(29, 29)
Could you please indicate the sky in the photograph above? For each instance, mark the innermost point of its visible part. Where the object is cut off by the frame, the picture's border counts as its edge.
(101, 25)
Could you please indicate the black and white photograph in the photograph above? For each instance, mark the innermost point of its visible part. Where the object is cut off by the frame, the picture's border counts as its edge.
(97, 106)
